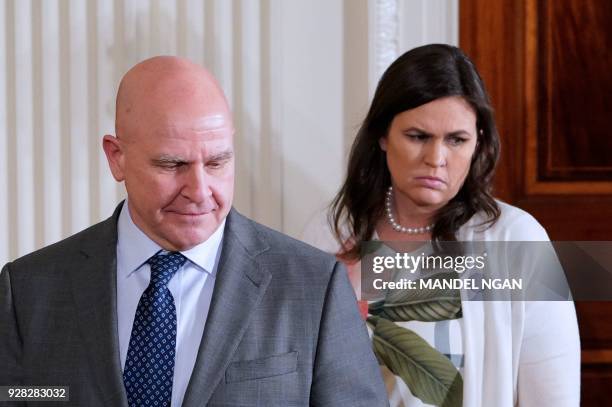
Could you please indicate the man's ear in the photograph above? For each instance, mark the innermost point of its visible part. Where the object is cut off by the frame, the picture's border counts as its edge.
(114, 155)
(382, 142)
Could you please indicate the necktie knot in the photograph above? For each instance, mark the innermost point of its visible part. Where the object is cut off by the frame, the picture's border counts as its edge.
(163, 267)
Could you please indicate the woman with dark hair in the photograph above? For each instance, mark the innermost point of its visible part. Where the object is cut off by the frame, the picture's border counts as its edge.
(420, 169)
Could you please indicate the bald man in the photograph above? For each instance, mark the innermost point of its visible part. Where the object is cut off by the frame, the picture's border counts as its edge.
(177, 299)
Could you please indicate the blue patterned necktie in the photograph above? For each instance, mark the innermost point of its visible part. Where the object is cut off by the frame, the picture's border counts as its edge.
(149, 366)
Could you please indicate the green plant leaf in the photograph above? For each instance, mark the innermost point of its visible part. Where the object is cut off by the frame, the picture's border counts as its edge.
(420, 304)
(429, 375)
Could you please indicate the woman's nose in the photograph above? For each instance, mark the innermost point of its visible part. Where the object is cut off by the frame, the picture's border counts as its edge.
(435, 154)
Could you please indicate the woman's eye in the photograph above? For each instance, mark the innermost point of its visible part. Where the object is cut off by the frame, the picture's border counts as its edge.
(418, 137)
(456, 140)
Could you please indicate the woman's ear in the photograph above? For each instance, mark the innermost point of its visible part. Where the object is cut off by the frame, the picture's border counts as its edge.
(476, 146)
(382, 142)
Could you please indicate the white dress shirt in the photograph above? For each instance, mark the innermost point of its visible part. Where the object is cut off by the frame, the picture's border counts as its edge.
(191, 286)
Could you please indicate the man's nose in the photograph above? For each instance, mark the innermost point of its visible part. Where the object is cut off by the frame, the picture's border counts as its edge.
(196, 187)
(435, 154)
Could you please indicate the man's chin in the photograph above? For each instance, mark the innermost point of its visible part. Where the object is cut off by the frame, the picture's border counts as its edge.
(188, 217)
(188, 238)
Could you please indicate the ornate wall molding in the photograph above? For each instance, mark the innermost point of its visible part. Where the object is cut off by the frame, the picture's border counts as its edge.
(387, 34)
(384, 38)
(396, 26)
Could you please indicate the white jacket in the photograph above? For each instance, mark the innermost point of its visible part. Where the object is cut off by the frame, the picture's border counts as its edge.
(520, 353)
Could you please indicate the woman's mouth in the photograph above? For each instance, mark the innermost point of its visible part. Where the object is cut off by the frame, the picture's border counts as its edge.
(431, 182)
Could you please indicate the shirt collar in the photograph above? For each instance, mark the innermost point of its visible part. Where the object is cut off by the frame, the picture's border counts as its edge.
(134, 247)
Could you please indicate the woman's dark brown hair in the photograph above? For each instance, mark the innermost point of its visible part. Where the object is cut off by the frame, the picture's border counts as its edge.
(419, 76)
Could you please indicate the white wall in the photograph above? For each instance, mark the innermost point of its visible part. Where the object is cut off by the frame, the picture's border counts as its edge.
(298, 75)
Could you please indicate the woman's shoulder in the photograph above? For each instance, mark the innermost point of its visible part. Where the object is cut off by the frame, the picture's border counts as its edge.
(513, 224)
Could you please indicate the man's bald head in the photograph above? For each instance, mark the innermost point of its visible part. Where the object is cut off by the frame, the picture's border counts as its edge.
(167, 85)
(174, 151)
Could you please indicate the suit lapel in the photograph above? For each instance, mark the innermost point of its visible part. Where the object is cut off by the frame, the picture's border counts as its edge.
(240, 284)
(94, 280)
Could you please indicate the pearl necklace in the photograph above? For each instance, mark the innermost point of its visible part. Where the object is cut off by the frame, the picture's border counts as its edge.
(396, 226)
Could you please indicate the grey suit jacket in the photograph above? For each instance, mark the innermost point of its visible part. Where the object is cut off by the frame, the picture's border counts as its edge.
(283, 327)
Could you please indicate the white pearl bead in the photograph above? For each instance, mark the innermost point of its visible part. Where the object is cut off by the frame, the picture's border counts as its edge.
(396, 226)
